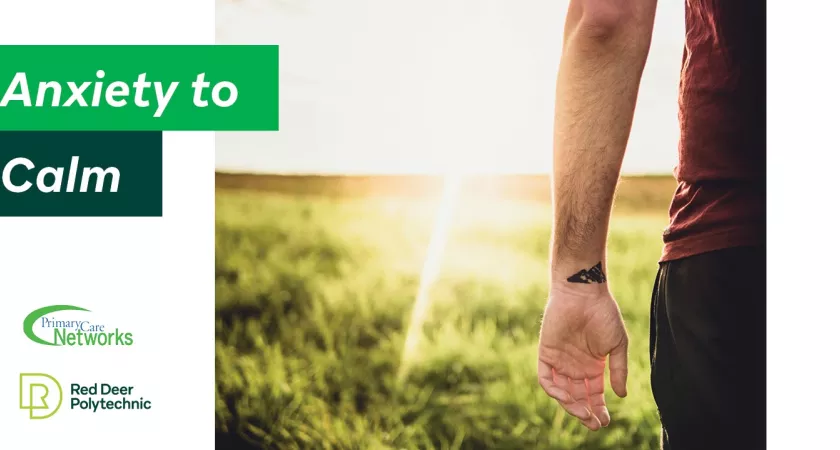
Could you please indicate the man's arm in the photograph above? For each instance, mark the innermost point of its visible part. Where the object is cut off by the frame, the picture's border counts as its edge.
(605, 47)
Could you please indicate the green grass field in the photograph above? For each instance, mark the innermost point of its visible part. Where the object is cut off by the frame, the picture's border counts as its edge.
(314, 293)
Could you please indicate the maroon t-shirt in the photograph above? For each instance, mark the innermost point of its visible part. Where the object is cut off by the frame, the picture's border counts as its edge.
(720, 200)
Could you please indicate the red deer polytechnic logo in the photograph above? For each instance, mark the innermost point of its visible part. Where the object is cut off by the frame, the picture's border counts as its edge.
(40, 394)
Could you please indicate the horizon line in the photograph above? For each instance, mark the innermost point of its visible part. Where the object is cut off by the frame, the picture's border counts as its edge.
(409, 174)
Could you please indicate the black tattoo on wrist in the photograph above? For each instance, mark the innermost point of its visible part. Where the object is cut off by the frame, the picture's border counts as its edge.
(593, 275)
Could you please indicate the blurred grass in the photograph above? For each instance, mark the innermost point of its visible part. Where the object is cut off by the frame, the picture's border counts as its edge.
(313, 297)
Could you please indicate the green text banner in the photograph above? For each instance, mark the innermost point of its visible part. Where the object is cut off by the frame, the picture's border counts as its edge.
(139, 88)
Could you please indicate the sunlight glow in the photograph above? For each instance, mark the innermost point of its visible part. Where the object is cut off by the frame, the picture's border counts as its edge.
(431, 270)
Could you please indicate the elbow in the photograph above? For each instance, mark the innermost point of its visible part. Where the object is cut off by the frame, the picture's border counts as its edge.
(619, 22)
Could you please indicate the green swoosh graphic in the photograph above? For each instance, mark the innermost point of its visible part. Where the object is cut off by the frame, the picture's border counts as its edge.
(33, 317)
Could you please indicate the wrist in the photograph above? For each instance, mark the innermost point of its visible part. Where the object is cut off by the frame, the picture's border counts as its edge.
(578, 276)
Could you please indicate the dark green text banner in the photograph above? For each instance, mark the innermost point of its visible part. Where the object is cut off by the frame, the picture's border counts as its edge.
(81, 174)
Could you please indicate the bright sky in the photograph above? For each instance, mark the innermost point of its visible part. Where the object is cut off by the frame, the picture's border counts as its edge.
(428, 86)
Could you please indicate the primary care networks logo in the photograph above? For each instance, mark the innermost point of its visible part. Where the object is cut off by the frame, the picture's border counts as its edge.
(42, 395)
(63, 325)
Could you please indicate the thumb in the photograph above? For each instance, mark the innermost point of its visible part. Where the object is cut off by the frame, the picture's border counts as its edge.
(618, 369)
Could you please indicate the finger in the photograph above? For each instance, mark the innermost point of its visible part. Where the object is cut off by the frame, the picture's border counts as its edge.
(618, 369)
(581, 412)
(574, 408)
(593, 423)
(595, 387)
(578, 390)
(547, 382)
(580, 408)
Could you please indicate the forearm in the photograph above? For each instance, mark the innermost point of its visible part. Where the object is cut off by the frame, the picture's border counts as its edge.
(597, 85)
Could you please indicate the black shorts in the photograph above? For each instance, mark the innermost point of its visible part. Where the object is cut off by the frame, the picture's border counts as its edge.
(708, 342)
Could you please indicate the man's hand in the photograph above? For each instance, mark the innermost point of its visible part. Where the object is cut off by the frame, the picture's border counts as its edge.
(581, 327)
(605, 46)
